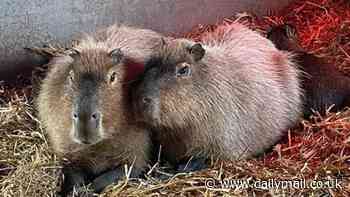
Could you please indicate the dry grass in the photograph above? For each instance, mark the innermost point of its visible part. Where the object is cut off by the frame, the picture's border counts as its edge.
(27, 167)
(317, 149)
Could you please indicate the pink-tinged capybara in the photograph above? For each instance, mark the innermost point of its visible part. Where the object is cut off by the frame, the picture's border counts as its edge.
(230, 97)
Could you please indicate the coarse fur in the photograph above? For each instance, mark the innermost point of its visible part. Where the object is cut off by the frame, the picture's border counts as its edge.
(324, 85)
(85, 79)
(236, 97)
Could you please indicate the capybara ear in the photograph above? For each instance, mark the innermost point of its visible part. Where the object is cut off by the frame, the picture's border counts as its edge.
(42, 56)
(290, 31)
(116, 55)
(286, 30)
(74, 53)
(46, 52)
(163, 42)
(197, 51)
(38, 51)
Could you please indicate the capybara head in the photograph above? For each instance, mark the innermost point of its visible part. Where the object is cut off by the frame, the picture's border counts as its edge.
(169, 82)
(93, 87)
(283, 36)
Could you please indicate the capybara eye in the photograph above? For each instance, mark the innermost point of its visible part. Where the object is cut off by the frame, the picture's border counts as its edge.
(113, 77)
(75, 115)
(183, 71)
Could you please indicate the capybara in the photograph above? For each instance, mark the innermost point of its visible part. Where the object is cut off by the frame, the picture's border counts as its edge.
(229, 97)
(324, 85)
(84, 105)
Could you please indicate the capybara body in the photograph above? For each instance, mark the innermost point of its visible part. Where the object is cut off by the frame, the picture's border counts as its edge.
(323, 84)
(85, 106)
(231, 97)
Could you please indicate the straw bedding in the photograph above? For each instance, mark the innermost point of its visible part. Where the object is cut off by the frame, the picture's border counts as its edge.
(316, 149)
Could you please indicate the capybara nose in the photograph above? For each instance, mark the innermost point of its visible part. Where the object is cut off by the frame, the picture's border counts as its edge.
(75, 116)
(95, 116)
(85, 141)
(146, 101)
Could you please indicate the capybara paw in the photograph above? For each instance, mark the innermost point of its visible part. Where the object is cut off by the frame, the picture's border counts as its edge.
(79, 191)
(107, 178)
(74, 178)
(111, 176)
(190, 165)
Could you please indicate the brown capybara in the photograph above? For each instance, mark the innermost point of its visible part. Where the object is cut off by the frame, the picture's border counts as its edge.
(84, 106)
(230, 97)
(324, 85)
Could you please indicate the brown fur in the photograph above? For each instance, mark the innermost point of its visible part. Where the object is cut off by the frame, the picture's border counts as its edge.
(123, 140)
(324, 85)
(240, 98)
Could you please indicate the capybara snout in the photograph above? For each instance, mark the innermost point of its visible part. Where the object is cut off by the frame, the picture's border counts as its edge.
(87, 125)
(148, 104)
(150, 107)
